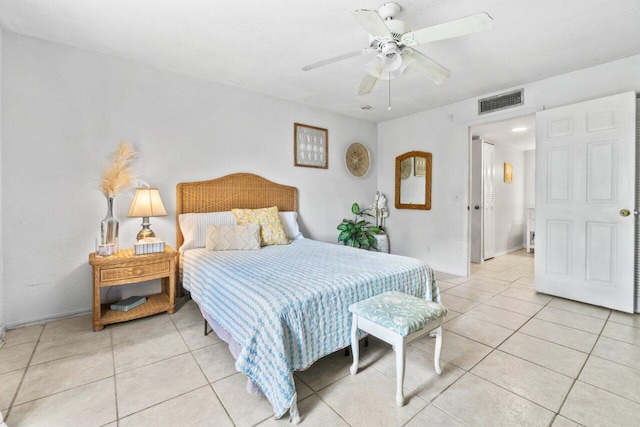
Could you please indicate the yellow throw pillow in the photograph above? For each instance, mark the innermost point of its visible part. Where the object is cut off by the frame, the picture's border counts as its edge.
(271, 229)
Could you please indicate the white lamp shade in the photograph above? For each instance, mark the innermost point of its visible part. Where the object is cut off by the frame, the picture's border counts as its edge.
(146, 203)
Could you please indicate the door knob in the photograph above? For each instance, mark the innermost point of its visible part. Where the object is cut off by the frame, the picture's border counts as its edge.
(625, 212)
(476, 207)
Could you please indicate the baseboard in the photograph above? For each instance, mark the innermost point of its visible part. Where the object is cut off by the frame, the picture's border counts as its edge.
(508, 251)
(45, 319)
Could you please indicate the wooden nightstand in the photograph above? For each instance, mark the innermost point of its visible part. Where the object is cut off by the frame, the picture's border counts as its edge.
(125, 268)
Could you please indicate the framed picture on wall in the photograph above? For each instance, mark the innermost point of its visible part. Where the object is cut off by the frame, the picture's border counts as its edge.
(508, 172)
(310, 146)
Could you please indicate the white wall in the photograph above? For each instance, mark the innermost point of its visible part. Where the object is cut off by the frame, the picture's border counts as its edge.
(65, 110)
(440, 236)
(2, 300)
(509, 199)
(530, 178)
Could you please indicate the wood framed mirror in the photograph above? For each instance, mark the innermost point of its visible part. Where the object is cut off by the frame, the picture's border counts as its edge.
(413, 180)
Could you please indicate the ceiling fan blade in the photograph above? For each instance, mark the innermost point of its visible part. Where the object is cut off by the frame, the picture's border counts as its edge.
(459, 27)
(367, 83)
(429, 67)
(372, 22)
(336, 59)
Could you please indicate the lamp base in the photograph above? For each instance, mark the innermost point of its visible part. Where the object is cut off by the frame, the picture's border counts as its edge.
(146, 231)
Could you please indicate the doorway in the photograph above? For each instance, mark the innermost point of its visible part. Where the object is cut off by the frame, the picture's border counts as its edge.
(502, 186)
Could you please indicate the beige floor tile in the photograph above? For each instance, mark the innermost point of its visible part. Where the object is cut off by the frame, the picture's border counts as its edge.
(420, 375)
(515, 305)
(58, 328)
(440, 275)
(625, 318)
(469, 293)
(592, 406)
(487, 285)
(134, 354)
(443, 286)
(559, 334)
(456, 303)
(492, 266)
(141, 329)
(580, 308)
(613, 377)
(478, 330)
(359, 408)
(509, 275)
(327, 370)
(461, 351)
(433, 417)
(451, 314)
(15, 357)
(313, 412)
(533, 382)
(152, 384)
(457, 280)
(199, 407)
(90, 405)
(188, 314)
(526, 281)
(70, 345)
(22, 335)
(574, 320)
(477, 402)
(373, 352)
(64, 374)
(244, 408)
(547, 354)
(526, 294)
(216, 361)
(561, 421)
(9, 383)
(498, 316)
(618, 351)
(195, 338)
(620, 332)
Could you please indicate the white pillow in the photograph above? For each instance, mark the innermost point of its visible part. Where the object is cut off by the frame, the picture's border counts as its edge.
(233, 237)
(194, 227)
(290, 224)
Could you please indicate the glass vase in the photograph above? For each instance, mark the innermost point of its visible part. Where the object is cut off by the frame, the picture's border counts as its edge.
(109, 228)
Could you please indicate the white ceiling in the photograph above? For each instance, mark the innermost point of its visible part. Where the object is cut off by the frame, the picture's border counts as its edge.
(502, 132)
(262, 45)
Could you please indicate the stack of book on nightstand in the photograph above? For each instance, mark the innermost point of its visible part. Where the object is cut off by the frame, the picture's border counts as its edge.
(148, 245)
(128, 304)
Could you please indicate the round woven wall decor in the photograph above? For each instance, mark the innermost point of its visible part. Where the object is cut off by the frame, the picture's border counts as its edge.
(357, 159)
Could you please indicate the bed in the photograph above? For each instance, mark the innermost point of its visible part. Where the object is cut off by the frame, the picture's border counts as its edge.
(282, 307)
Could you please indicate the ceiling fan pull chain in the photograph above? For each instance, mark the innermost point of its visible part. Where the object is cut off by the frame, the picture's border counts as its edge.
(389, 107)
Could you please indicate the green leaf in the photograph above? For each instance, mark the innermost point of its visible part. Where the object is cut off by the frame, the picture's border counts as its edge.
(342, 227)
(372, 241)
(355, 208)
(374, 229)
(343, 236)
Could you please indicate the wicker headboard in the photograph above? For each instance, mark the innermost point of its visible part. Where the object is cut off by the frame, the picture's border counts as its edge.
(238, 190)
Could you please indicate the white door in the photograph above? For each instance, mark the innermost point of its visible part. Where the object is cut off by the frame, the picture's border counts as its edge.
(585, 172)
(476, 200)
(489, 220)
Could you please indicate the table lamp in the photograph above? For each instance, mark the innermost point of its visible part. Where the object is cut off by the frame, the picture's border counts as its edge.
(146, 203)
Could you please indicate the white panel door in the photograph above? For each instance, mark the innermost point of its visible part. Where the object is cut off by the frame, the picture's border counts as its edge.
(476, 200)
(585, 172)
(489, 219)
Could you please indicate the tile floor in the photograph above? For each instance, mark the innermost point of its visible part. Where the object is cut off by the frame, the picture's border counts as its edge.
(510, 357)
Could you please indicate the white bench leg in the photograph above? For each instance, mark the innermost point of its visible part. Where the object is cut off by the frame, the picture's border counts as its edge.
(436, 356)
(354, 345)
(400, 365)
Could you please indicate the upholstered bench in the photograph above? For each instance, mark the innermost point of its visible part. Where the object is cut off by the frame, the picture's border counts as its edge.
(398, 319)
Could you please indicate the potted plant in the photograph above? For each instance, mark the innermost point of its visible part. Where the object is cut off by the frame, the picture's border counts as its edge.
(358, 232)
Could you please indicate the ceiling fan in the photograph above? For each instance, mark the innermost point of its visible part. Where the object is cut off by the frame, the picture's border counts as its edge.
(392, 41)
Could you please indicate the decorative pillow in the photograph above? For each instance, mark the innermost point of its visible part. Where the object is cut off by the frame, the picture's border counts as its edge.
(194, 227)
(271, 229)
(290, 224)
(233, 238)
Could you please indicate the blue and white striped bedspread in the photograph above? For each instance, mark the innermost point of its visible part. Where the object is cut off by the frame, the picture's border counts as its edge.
(287, 306)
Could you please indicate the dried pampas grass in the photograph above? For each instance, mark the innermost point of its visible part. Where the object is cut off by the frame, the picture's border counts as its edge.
(117, 176)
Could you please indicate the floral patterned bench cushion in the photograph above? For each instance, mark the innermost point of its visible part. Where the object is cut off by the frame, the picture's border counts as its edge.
(401, 313)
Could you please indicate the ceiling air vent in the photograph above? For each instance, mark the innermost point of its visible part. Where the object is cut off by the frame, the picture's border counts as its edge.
(500, 102)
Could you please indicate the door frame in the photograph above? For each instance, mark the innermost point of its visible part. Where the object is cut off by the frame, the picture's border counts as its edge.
(491, 118)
